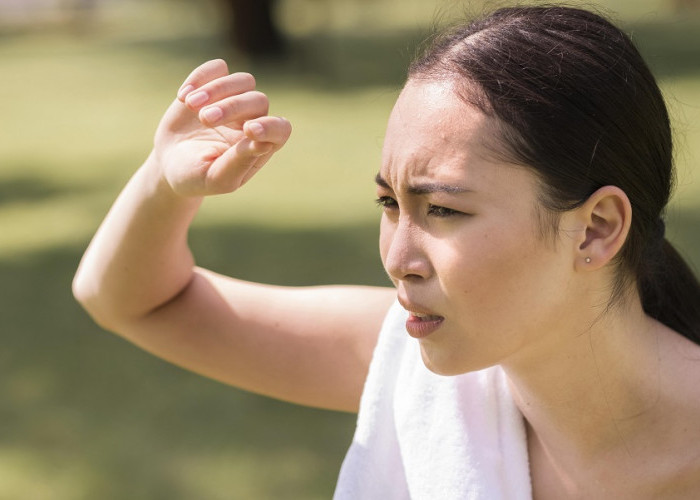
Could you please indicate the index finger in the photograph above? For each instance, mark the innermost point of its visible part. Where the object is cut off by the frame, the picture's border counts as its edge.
(201, 75)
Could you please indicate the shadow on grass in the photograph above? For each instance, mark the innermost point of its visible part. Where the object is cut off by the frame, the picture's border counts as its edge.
(292, 256)
(85, 405)
(33, 188)
(80, 402)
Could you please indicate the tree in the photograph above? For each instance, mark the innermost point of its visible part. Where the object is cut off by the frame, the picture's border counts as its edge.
(252, 28)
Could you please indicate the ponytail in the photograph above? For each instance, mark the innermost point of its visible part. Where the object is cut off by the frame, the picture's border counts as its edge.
(670, 291)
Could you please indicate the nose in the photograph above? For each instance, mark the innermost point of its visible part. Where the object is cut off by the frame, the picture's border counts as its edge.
(403, 251)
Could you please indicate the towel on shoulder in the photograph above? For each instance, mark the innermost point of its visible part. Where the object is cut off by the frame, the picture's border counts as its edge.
(423, 436)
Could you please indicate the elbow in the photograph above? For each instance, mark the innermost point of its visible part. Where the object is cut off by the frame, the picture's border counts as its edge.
(86, 293)
(80, 290)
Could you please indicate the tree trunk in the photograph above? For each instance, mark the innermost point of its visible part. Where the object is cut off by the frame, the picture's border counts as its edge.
(253, 30)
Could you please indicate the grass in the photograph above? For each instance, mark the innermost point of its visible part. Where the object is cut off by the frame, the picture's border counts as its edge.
(84, 414)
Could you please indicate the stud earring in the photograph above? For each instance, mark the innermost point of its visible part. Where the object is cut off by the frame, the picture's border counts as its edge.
(588, 260)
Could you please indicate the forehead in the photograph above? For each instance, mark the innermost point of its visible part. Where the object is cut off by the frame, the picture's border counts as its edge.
(436, 100)
(432, 133)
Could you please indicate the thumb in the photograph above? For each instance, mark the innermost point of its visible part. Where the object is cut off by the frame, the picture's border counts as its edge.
(236, 165)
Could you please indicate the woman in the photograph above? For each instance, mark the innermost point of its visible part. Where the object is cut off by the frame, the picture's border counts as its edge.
(525, 171)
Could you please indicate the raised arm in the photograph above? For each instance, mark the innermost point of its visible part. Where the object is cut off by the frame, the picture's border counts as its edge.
(137, 278)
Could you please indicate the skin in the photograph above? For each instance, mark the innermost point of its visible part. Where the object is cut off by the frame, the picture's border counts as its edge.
(459, 236)
(310, 346)
(607, 394)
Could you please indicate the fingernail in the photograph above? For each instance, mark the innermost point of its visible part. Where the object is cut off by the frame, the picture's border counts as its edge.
(256, 129)
(213, 114)
(197, 99)
(182, 93)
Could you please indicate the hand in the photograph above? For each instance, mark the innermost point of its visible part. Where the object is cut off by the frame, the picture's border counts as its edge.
(216, 135)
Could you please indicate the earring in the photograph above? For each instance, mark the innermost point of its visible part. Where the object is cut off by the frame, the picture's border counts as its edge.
(588, 260)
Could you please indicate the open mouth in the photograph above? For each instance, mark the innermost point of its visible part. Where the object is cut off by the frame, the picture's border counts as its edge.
(420, 325)
(425, 317)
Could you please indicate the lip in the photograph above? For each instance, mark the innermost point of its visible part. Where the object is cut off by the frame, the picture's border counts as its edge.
(421, 322)
(420, 327)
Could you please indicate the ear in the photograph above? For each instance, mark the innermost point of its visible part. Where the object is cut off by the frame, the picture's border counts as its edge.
(606, 216)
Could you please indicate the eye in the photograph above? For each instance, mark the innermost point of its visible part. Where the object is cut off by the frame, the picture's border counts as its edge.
(438, 211)
(387, 202)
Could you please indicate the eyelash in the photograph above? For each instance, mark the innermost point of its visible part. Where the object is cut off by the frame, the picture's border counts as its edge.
(439, 211)
(388, 203)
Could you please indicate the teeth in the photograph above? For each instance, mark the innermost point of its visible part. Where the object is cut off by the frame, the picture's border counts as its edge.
(424, 316)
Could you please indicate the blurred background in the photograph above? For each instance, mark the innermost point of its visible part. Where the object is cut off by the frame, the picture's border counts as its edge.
(83, 83)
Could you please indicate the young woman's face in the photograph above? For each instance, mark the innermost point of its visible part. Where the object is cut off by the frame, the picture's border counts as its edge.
(460, 238)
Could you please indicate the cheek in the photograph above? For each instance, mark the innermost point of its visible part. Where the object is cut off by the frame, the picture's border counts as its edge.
(492, 270)
(508, 287)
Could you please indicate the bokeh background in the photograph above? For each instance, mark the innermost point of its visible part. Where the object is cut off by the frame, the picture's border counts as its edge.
(84, 415)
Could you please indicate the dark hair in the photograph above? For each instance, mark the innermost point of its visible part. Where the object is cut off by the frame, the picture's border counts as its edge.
(577, 104)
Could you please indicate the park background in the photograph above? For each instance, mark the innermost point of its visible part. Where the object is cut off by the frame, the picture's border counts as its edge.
(83, 414)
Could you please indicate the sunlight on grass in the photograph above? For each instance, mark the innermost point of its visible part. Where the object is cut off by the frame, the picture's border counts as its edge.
(28, 474)
(200, 476)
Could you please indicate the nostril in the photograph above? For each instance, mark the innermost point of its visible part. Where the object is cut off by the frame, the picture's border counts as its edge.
(412, 277)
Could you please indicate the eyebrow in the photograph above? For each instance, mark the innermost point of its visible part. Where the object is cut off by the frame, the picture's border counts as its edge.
(425, 188)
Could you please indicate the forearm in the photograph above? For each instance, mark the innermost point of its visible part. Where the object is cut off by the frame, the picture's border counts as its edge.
(139, 258)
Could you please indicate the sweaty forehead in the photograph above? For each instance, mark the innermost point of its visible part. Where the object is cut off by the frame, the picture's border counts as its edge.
(432, 132)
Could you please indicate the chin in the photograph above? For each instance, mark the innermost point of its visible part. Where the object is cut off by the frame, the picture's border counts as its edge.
(447, 365)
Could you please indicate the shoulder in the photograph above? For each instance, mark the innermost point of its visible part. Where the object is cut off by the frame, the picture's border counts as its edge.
(678, 456)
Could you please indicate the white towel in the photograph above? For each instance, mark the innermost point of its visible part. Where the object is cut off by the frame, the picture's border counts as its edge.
(427, 437)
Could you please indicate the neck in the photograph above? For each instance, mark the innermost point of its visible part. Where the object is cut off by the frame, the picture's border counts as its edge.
(590, 393)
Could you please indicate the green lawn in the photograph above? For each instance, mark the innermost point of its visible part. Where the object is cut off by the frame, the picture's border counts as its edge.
(85, 415)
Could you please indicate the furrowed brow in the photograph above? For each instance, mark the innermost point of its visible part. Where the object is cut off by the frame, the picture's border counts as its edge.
(436, 187)
(381, 182)
(425, 188)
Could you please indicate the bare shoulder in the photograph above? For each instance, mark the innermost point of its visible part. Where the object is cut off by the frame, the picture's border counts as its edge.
(679, 453)
(681, 368)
